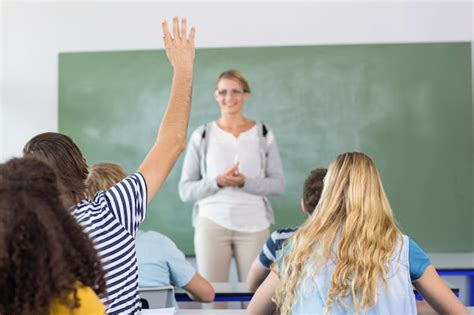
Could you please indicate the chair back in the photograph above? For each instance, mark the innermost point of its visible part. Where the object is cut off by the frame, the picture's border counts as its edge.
(157, 297)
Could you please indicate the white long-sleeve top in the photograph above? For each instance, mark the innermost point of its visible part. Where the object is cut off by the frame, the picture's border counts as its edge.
(232, 207)
(196, 184)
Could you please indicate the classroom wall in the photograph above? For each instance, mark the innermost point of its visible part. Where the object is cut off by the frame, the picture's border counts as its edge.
(34, 33)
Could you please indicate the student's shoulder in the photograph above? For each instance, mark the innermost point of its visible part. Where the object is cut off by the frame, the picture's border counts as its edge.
(152, 235)
(97, 205)
(132, 185)
(283, 233)
(157, 239)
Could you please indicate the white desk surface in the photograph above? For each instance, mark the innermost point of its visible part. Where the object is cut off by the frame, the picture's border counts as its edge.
(210, 312)
(227, 312)
(225, 287)
(197, 312)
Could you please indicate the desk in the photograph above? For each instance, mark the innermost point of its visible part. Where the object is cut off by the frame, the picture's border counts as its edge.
(225, 292)
(211, 312)
(198, 312)
(456, 264)
(227, 312)
(239, 292)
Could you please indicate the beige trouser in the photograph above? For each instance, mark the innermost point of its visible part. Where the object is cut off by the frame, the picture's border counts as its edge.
(215, 245)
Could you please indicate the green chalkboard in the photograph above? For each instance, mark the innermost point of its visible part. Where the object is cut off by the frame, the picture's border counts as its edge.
(409, 106)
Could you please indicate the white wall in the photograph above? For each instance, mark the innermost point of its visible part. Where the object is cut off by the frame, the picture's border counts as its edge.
(33, 33)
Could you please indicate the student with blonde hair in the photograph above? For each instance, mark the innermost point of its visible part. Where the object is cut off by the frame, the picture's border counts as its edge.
(160, 262)
(350, 256)
(102, 176)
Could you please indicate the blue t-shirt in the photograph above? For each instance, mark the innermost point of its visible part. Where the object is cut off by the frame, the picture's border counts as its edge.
(272, 250)
(160, 262)
(417, 259)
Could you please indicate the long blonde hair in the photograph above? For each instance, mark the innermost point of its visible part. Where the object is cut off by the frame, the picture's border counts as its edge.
(355, 216)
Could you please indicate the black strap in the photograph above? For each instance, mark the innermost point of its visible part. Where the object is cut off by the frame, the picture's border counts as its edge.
(203, 135)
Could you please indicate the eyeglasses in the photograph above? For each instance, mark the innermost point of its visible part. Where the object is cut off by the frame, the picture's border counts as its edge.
(233, 92)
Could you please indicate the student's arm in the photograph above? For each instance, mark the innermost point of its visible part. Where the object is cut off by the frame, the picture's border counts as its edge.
(182, 273)
(437, 294)
(171, 138)
(200, 289)
(256, 275)
(423, 308)
(261, 302)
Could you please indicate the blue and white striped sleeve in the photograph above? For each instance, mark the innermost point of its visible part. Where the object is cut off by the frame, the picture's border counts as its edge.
(128, 201)
(267, 254)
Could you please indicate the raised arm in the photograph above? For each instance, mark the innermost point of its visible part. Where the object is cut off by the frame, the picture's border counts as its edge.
(437, 294)
(171, 138)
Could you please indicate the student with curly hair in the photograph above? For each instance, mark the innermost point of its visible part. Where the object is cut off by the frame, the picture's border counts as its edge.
(350, 256)
(312, 190)
(48, 265)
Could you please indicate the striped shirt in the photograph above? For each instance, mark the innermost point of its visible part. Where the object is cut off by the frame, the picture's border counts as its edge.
(273, 246)
(112, 219)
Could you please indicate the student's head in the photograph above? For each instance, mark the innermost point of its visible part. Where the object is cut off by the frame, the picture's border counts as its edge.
(232, 90)
(63, 155)
(102, 176)
(354, 220)
(312, 189)
(43, 250)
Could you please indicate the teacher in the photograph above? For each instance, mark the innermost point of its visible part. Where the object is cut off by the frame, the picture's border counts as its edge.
(230, 167)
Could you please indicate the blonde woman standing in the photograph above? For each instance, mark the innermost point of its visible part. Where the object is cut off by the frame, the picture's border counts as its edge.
(350, 256)
(231, 166)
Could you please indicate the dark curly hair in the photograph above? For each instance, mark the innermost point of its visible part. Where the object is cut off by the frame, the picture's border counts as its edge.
(313, 187)
(64, 156)
(43, 250)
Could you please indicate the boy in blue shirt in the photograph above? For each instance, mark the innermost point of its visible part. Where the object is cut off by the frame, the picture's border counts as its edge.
(312, 189)
(160, 262)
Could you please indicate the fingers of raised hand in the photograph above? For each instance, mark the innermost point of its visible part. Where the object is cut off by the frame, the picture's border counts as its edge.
(166, 32)
(180, 33)
(176, 35)
(184, 29)
(192, 35)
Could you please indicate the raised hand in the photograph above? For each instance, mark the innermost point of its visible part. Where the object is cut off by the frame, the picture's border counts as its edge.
(171, 138)
(179, 47)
